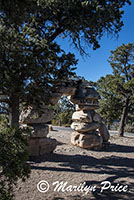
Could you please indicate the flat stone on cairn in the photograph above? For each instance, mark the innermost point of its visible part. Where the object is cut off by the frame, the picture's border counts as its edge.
(90, 132)
(31, 115)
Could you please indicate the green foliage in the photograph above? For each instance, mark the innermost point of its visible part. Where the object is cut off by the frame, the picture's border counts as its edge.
(110, 102)
(63, 112)
(129, 128)
(122, 63)
(13, 157)
(30, 65)
(15, 11)
(116, 91)
(3, 120)
(80, 19)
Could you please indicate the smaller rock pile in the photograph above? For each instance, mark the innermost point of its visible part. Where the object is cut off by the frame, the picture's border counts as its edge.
(90, 132)
(39, 143)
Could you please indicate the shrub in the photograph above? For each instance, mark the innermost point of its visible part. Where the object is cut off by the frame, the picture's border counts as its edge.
(13, 160)
(129, 128)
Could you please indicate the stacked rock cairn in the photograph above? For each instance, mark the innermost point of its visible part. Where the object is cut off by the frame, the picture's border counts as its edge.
(90, 132)
(39, 143)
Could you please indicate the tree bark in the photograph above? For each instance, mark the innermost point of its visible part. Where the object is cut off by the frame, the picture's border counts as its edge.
(14, 111)
(124, 117)
(108, 126)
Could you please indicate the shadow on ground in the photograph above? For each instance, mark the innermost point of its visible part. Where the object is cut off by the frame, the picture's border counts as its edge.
(119, 148)
(114, 167)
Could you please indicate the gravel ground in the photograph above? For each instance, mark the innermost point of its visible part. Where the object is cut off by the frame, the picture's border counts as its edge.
(82, 174)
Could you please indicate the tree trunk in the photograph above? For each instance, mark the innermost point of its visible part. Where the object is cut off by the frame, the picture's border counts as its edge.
(124, 117)
(108, 126)
(14, 111)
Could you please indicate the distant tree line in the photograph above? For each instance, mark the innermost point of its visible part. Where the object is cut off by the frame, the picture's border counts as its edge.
(117, 89)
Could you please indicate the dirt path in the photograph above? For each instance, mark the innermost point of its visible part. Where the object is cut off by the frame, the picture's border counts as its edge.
(82, 173)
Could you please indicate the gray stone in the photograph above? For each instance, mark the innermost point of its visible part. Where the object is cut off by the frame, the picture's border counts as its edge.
(75, 138)
(104, 132)
(87, 107)
(32, 116)
(67, 86)
(40, 131)
(67, 90)
(87, 141)
(85, 95)
(97, 117)
(41, 146)
(84, 127)
(50, 127)
(55, 97)
(82, 116)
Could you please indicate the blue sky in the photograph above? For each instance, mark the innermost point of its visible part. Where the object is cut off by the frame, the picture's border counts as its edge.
(95, 66)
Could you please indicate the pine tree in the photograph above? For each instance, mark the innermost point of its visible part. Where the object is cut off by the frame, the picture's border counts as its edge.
(111, 102)
(31, 61)
(122, 63)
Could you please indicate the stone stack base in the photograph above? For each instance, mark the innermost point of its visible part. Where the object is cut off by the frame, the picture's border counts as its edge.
(41, 146)
(87, 141)
(90, 132)
(39, 143)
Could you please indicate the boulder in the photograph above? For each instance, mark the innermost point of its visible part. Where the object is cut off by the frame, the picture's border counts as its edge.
(87, 141)
(55, 97)
(50, 127)
(41, 146)
(75, 138)
(67, 90)
(82, 116)
(85, 95)
(84, 127)
(97, 117)
(87, 107)
(32, 116)
(40, 131)
(104, 132)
